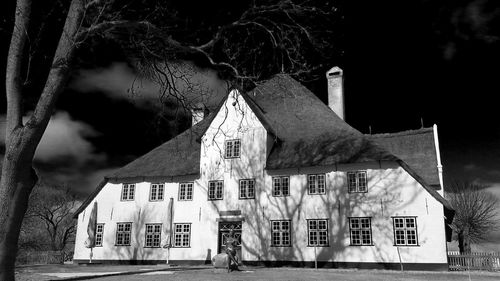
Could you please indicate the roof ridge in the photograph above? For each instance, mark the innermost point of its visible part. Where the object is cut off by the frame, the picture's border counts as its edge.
(402, 133)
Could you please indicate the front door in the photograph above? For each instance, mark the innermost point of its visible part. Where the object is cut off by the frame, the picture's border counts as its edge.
(224, 228)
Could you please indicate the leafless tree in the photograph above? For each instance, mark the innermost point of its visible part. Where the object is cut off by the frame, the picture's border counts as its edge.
(476, 213)
(52, 208)
(274, 36)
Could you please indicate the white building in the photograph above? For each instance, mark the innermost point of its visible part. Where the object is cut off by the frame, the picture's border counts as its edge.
(290, 176)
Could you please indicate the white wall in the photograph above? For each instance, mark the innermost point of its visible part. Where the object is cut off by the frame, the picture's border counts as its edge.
(391, 192)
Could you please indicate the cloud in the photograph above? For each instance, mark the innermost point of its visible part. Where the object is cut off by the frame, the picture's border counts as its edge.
(65, 155)
(64, 138)
(67, 138)
(193, 85)
(470, 167)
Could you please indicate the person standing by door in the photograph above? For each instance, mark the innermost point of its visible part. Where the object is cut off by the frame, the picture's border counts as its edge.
(231, 243)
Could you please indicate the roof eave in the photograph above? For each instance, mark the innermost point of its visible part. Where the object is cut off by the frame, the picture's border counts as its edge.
(90, 197)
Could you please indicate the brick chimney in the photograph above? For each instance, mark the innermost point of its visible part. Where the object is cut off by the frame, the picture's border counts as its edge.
(335, 78)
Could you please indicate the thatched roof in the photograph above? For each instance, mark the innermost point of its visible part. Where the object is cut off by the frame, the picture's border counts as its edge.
(178, 157)
(416, 148)
(308, 133)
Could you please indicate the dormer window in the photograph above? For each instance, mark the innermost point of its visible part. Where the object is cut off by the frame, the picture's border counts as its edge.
(233, 148)
(357, 182)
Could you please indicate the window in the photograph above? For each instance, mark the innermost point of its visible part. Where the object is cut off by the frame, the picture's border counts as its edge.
(280, 233)
(356, 182)
(316, 184)
(128, 192)
(215, 190)
(182, 233)
(405, 231)
(317, 233)
(98, 234)
(281, 186)
(233, 148)
(123, 230)
(185, 191)
(361, 231)
(247, 189)
(156, 192)
(153, 233)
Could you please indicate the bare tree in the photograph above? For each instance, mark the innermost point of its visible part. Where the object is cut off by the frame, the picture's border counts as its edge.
(476, 213)
(270, 37)
(52, 208)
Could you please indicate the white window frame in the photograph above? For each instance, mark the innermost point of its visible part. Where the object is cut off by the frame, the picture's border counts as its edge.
(215, 190)
(360, 229)
(247, 189)
(281, 233)
(279, 187)
(357, 182)
(182, 235)
(152, 235)
(317, 230)
(99, 233)
(156, 192)
(232, 149)
(128, 192)
(405, 231)
(316, 184)
(123, 233)
(186, 191)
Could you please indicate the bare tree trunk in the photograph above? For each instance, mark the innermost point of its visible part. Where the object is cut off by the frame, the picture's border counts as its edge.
(464, 241)
(18, 179)
(21, 140)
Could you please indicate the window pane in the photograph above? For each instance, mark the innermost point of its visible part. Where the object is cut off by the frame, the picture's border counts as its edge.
(276, 186)
(321, 184)
(285, 186)
(362, 182)
(251, 189)
(131, 190)
(236, 148)
(312, 184)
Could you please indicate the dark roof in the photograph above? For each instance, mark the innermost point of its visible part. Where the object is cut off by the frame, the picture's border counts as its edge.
(308, 133)
(177, 157)
(416, 148)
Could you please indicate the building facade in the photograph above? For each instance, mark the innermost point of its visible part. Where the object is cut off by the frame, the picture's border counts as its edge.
(291, 178)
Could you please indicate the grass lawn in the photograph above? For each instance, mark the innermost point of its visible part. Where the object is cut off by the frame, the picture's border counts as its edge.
(307, 274)
(248, 273)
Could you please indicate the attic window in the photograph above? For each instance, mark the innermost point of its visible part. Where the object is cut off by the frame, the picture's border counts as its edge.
(357, 182)
(233, 148)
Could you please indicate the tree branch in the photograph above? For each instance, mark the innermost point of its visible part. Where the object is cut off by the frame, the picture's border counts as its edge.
(13, 81)
(59, 71)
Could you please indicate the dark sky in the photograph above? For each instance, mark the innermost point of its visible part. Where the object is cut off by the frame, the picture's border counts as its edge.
(404, 62)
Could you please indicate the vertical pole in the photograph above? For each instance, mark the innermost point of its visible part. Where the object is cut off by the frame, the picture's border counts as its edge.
(315, 257)
(91, 254)
(171, 211)
(400, 261)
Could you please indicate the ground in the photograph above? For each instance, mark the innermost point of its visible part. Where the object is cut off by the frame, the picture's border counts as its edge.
(193, 273)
